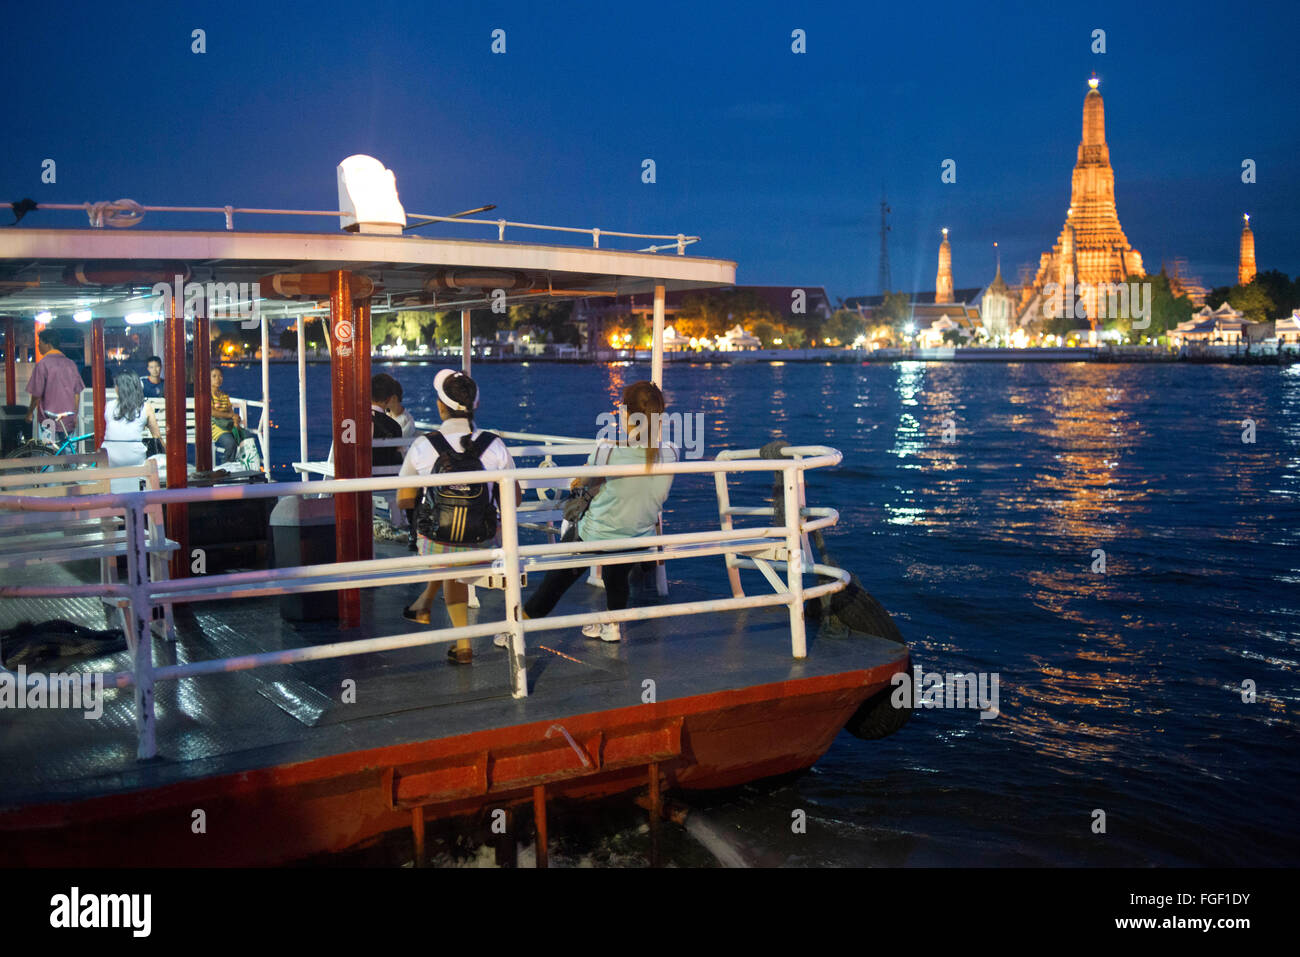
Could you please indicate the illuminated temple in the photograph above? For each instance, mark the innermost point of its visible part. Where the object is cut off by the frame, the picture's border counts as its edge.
(1091, 247)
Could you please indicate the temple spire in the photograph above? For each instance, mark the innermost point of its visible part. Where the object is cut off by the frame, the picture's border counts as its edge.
(1246, 254)
(1091, 247)
(943, 282)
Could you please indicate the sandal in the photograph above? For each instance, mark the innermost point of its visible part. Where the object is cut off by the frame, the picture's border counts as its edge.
(411, 613)
(458, 656)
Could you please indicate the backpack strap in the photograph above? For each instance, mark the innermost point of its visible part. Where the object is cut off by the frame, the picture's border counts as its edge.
(478, 446)
(440, 444)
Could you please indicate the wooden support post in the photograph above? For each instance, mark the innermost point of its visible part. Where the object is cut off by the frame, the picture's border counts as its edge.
(539, 816)
(98, 379)
(346, 429)
(506, 846)
(177, 518)
(656, 810)
(11, 362)
(202, 389)
(417, 831)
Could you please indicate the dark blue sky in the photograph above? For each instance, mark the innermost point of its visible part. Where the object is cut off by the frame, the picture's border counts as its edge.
(776, 159)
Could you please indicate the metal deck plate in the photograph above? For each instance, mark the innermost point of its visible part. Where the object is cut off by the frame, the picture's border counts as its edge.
(227, 723)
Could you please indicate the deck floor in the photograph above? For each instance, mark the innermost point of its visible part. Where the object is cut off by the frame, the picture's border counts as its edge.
(227, 723)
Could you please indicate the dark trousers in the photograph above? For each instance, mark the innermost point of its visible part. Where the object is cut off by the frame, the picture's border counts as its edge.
(226, 446)
(559, 580)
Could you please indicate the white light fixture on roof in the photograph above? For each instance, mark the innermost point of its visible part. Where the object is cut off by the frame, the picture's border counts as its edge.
(82, 316)
(44, 316)
(368, 197)
(139, 318)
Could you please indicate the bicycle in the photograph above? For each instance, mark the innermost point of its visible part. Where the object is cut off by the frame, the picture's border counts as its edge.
(39, 447)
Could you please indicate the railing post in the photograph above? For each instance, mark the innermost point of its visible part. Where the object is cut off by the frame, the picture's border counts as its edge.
(514, 613)
(141, 611)
(794, 562)
(726, 524)
(264, 420)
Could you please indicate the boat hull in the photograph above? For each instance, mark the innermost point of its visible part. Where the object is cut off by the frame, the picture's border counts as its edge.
(284, 813)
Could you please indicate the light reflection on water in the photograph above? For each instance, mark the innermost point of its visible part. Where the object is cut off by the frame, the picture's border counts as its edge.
(1119, 690)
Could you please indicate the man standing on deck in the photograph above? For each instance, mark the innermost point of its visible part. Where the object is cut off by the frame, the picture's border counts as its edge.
(55, 386)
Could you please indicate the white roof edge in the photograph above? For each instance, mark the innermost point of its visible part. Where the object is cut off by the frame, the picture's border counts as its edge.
(78, 244)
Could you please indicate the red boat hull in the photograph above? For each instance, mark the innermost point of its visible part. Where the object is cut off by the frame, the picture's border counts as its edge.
(285, 813)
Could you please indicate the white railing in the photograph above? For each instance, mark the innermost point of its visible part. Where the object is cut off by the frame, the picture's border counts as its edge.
(771, 549)
(127, 212)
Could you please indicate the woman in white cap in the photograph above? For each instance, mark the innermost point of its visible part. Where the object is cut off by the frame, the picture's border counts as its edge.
(453, 518)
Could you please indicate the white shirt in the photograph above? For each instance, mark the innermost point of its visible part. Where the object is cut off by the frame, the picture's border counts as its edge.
(421, 456)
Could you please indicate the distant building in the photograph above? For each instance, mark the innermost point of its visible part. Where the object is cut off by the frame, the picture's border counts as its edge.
(1222, 326)
(1287, 331)
(591, 315)
(1246, 254)
(1183, 283)
(737, 339)
(961, 315)
(997, 308)
(674, 342)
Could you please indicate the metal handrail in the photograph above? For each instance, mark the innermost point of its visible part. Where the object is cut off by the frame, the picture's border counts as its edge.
(126, 212)
(771, 548)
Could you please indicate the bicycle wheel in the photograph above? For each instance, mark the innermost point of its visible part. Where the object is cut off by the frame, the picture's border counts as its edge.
(33, 449)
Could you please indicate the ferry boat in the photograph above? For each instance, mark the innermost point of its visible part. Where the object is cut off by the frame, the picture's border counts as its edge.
(231, 733)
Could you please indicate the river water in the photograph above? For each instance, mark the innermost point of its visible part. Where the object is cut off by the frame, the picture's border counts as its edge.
(974, 499)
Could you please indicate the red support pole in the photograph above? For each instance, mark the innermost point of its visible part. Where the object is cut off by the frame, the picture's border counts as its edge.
(347, 430)
(11, 362)
(202, 389)
(366, 503)
(177, 517)
(98, 380)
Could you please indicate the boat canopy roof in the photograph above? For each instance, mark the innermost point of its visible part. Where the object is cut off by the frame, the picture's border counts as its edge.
(39, 268)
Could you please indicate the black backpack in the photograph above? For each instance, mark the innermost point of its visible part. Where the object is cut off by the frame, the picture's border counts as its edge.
(461, 514)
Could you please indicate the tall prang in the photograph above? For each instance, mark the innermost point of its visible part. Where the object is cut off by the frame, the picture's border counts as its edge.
(943, 281)
(1246, 254)
(1091, 247)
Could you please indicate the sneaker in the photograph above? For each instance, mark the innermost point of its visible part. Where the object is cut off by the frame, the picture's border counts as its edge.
(502, 640)
(592, 630)
(610, 632)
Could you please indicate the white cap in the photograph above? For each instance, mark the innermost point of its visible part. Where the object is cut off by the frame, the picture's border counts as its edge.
(439, 383)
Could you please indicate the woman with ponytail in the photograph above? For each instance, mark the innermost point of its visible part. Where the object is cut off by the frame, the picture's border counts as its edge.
(620, 507)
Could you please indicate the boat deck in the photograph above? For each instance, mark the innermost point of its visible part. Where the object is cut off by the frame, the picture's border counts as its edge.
(286, 714)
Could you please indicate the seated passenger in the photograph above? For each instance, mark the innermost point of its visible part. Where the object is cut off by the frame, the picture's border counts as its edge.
(153, 383)
(227, 429)
(125, 419)
(620, 507)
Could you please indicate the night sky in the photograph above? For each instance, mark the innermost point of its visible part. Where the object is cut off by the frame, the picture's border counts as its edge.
(776, 159)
